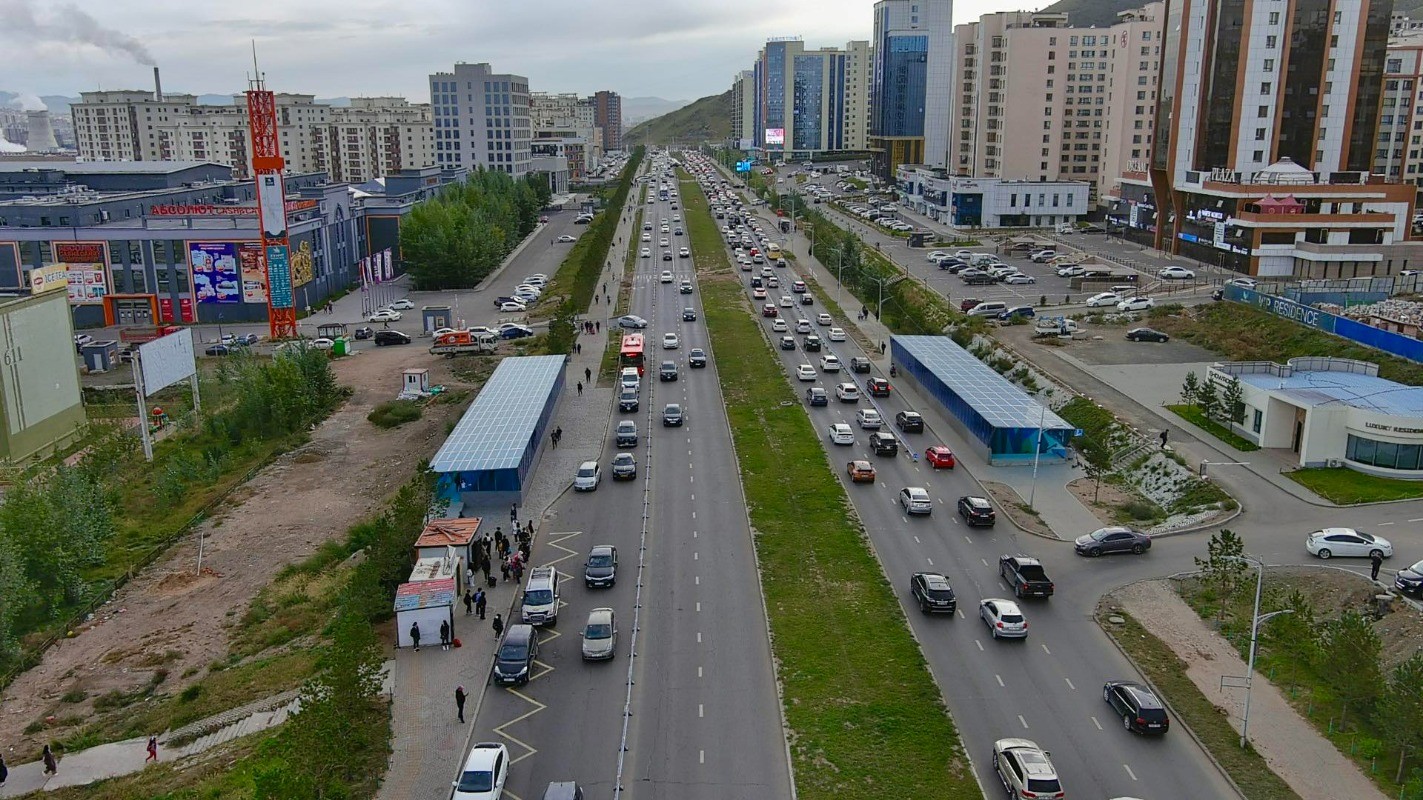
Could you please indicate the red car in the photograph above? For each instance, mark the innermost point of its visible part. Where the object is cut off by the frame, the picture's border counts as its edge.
(768, 310)
(877, 387)
(939, 457)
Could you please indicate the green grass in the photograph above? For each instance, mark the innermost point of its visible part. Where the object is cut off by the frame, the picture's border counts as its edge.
(1194, 416)
(394, 413)
(1346, 487)
(706, 119)
(1167, 673)
(866, 718)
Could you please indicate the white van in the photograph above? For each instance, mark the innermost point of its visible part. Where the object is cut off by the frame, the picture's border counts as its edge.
(541, 597)
(629, 378)
(990, 308)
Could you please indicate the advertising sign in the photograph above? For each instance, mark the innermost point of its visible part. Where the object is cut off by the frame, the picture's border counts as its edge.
(165, 310)
(86, 270)
(775, 136)
(186, 310)
(389, 266)
(208, 210)
(279, 276)
(254, 280)
(48, 279)
(216, 272)
(166, 360)
(302, 272)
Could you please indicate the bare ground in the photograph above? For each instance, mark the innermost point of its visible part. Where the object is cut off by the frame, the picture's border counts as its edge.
(174, 619)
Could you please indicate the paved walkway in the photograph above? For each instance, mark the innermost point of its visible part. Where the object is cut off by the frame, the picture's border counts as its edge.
(1295, 751)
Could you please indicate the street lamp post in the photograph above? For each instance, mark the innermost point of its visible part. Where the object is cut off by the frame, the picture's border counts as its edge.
(1255, 621)
(1037, 453)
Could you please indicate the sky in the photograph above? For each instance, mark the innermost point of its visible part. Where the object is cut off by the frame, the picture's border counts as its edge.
(674, 49)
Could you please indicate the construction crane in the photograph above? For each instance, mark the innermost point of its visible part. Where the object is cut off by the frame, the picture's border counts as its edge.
(267, 164)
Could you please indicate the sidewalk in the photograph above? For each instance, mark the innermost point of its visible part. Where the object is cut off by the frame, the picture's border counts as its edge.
(1304, 759)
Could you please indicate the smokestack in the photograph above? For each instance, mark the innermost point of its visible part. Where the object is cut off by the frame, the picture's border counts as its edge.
(157, 86)
(41, 136)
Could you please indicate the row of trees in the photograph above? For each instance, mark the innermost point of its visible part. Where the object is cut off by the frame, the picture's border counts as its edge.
(1224, 403)
(456, 239)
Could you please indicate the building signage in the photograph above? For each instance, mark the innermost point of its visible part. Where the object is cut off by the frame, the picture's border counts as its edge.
(1283, 307)
(254, 281)
(1135, 165)
(1219, 239)
(776, 136)
(1392, 428)
(1222, 175)
(86, 271)
(209, 210)
(280, 276)
(217, 276)
(1206, 213)
(48, 279)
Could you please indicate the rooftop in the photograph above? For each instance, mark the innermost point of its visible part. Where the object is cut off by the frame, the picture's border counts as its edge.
(445, 532)
(494, 433)
(107, 167)
(1311, 388)
(999, 401)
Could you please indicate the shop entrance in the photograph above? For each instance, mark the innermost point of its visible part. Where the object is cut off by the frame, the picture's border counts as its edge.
(128, 310)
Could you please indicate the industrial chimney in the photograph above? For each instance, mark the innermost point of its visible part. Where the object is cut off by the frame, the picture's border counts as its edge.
(41, 137)
(157, 87)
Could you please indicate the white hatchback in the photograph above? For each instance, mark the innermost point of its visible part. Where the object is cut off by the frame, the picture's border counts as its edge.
(840, 433)
(805, 372)
(836, 335)
(829, 363)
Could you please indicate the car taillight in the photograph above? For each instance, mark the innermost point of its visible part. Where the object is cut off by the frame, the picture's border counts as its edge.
(1000, 624)
(1140, 721)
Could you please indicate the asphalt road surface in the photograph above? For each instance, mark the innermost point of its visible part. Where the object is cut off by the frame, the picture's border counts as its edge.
(704, 711)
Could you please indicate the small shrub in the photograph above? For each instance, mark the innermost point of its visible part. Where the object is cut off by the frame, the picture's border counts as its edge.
(1140, 510)
(191, 693)
(73, 696)
(394, 413)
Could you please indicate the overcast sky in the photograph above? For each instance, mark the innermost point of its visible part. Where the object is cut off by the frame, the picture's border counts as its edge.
(675, 49)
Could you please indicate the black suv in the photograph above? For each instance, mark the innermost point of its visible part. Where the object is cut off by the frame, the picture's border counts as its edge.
(884, 444)
(816, 396)
(668, 372)
(909, 421)
(697, 358)
(1139, 708)
(977, 511)
(628, 400)
(859, 364)
(385, 337)
(516, 656)
(601, 568)
(811, 344)
(933, 593)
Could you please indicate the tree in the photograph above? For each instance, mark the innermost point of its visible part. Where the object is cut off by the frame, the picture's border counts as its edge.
(1232, 403)
(1208, 399)
(1190, 389)
(1220, 569)
(1400, 708)
(1348, 661)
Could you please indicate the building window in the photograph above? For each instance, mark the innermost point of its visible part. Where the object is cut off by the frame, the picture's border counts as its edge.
(1389, 455)
(1263, 112)
(1271, 42)
(1269, 65)
(1265, 87)
(1257, 421)
(1274, 18)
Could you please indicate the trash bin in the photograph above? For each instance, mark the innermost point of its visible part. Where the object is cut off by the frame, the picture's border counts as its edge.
(339, 347)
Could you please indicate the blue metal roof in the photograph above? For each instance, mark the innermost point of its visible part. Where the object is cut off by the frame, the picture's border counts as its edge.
(495, 432)
(998, 400)
(1311, 388)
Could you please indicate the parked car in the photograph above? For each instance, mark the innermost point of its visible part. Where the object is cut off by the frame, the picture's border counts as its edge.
(933, 593)
(1147, 335)
(514, 661)
(1175, 273)
(588, 476)
(485, 770)
(1347, 542)
(384, 315)
(384, 338)
(1112, 540)
(1141, 711)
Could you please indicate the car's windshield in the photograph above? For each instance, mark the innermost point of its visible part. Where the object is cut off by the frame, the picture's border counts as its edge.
(598, 631)
(587, 472)
(538, 597)
(476, 780)
(513, 652)
(600, 560)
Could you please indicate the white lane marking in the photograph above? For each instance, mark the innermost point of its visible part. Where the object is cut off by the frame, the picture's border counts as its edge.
(699, 637)
(1381, 524)
(696, 556)
(980, 645)
(692, 479)
(1095, 722)
(916, 540)
(1045, 650)
(699, 672)
(955, 520)
(694, 515)
(930, 560)
(1129, 772)
(701, 756)
(959, 611)
(699, 606)
(1069, 683)
(701, 710)
(1420, 519)
(694, 534)
(694, 494)
(968, 539)
(697, 580)
(1025, 722)
(985, 561)
(999, 678)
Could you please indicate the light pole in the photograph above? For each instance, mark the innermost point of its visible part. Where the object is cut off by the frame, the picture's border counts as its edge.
(1037, 453)
(1255, 621)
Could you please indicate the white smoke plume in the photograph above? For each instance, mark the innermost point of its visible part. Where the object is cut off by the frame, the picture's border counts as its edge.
(29, 102)
(66, 23)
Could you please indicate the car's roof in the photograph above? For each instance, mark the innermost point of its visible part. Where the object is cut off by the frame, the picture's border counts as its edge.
(622, 455)
(1144, 696)
(600, 616)
(484, 753)
(1331, 531)
(915, 491)
(977, 501)
(519, 632)
(840, 426)
(860, 463)
(588, 465)
(627, 423)
(602, 549)
(1006, 606)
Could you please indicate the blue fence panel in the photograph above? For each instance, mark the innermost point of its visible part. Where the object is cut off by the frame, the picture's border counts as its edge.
(1377, 338)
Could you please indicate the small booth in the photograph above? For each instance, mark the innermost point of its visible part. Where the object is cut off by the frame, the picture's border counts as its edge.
(331, 330)
(432, 318)
(447, 565)
(415, 383)
(461, 535)
(100, 356)
(427, 604)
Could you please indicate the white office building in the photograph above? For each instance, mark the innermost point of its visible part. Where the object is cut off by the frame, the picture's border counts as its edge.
(482, 119)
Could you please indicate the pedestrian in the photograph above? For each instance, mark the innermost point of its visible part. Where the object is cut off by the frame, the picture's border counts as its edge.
(588, 374)
(597, 326)
(514, 514)
(1163, 439)
(881, 348)
(459, 702)
(503, 568)
(468, 601)
(518, 571)
(558, 432)
(580, 388)
(484, 567)
(1375, 561)
(578, 347)
(554, 438)
(480, 603)
(415, 635)
(530, 528)
(596, 298)
(524, 551)
(605, 288)
(864, 312)
(51, 764)
(4, 770)
(468, 576)
(498, 626)
(152, 750)
(444, 634)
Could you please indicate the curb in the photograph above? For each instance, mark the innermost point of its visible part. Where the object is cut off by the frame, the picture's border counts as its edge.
(1200, 526)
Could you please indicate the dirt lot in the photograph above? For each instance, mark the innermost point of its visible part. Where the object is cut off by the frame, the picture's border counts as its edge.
(306, 497)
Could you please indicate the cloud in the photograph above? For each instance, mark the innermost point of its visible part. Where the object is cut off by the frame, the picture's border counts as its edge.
(67, 24)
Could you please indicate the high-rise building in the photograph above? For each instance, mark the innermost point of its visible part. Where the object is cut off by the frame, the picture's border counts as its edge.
(804, 98)
(373, 137)
(563, 126)
(481, 119)
(1040, 100)
(1265, 141)
(911, 82)
(1399, 154)
(608, 117)
(743, 110)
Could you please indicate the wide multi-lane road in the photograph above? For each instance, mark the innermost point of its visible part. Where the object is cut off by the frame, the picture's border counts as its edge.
(703, 714)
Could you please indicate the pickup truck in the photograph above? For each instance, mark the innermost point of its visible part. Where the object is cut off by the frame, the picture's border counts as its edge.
(1025, 574)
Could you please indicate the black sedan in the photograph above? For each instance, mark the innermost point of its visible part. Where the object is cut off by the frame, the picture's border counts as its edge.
(1112, 540)
(1147, 335)
(1410, 580)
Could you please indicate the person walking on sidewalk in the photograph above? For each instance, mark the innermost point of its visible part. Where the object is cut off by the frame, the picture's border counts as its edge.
(152, 750)
(1375, 561)
(51, 764)
(498, 626)
(415, 635)
(479, 603)
(587, 374)
(459, 702)
(580, 388)
(514, 514)
(468, 601)
(444, 634)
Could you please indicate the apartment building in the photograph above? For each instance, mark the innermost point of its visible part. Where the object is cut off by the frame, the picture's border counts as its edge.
(1266, 138)
(564, 126)
(481, 119)
(608, 117)
(1399, 152)
(1040, 100)
(911, 82)
(810, 101)
(743, 110)
(374, 136)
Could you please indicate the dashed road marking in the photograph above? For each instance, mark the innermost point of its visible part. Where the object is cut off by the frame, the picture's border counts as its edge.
(1045, 650)
(1025, 722)
(1127, 767)
(699, 606)
(985, 561)
(701, 710)
(980, 645)
(999, 678)
(1095, 722)
(699, 637)
(930, 560)
(1069, 683)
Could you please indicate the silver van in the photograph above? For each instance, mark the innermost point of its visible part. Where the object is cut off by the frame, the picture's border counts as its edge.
(990, 308)
(541, 597)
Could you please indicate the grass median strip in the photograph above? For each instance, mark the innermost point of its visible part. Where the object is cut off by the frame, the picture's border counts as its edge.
(865, 715)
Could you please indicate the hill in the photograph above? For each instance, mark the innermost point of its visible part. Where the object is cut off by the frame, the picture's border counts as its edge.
(1092, 13)
(641, 109)
(706, 119)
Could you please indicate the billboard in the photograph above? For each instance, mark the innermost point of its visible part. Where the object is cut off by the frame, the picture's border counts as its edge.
(775, 136)
(216, 272)
(254, 279)
(166, 360)
(48, 279)
(280, 276)
(86, 270)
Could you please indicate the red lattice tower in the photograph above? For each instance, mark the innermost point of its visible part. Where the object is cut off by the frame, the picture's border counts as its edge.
(267, 167)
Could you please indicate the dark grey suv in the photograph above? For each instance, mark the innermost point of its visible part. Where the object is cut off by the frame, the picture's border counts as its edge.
(515, 662)
(601, 568)
(1138, 707)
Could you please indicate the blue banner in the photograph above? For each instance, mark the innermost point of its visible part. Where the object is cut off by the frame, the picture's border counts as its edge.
(279, 276)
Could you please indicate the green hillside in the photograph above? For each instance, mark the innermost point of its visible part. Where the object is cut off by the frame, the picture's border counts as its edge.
(707, 119)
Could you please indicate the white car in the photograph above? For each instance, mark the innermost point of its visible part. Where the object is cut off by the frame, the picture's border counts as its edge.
(402, 304)
(384, 315)
(484, 773)
(529, 288)
(836, 335)
(779, 326)
(666, 276)
(1071, 271)
(805, 372)
(1043, 256)
(645, 253)
(937, 255)
(1347, 542)
(1104, 299)
(1019, 278)
(1175, 274)
(840, 433)
(323, 343)
(869, 419)
(829, 363)
(565, 239)
(512, 307)
(1244, 283)
(684, 253)
(662, 242)
(588, 476)
(538, 281)
(786, 301)
(1136, 304)
(1003, 618)
(848, 393)
(670, 341)
(915, 500)
(824, 319)
(1026, 770)
(802, 325)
